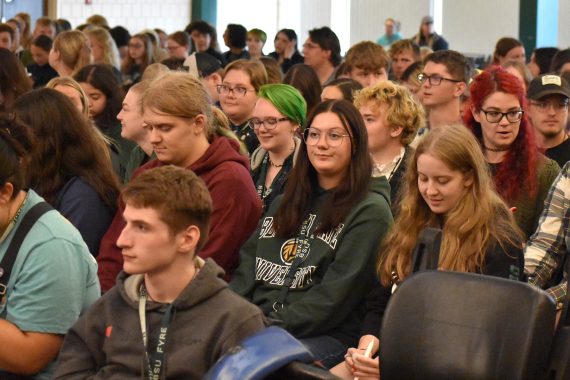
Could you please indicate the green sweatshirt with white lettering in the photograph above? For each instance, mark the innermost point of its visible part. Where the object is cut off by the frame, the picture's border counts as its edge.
(329, 287)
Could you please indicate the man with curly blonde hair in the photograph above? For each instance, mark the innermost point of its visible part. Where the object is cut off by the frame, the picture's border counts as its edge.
(392, 117)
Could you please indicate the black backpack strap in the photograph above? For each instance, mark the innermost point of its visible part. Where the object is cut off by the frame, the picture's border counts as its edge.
(12, 252)
(426, 252)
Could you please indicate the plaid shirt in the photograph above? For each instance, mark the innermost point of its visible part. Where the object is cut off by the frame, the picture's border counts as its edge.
(547, 248)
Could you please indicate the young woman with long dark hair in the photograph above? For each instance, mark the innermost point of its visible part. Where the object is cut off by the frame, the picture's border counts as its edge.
(105, 101)
(70, 164)
(309, 263)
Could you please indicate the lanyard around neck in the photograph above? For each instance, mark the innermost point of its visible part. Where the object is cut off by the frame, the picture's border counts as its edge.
(262, 190)
(154, 360)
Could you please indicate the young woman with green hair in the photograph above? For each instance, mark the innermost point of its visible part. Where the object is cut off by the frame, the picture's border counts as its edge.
(278, 116)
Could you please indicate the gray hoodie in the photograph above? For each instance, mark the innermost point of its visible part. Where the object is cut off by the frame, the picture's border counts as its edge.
(207, 319)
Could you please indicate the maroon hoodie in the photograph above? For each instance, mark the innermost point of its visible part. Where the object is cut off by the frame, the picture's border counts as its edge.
(237, 209)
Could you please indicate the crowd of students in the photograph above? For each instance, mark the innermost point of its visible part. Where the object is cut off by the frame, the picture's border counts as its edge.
(212, 194)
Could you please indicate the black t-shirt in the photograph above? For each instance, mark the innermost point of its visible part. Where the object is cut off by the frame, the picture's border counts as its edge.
(41, 74)
(560, 153)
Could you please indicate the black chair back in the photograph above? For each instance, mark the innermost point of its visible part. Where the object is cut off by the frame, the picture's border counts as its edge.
(448, 325)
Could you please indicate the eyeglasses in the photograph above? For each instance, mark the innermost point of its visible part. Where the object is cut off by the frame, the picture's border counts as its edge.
(434, 80)
(241, 91)
(269, 123)
(312, 136)
(173, 47)
(136, 46)
(496, 116)
(556, 104)
(310, 46)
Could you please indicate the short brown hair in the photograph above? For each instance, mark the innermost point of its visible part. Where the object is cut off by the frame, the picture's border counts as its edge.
(5, 28)
(455, 63)
(46, 21)
(402, 45)
(254, 69)
(367, 55)
(181, 38)
(180, 197)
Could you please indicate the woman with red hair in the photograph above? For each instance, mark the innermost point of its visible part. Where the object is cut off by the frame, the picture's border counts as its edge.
(496, 116)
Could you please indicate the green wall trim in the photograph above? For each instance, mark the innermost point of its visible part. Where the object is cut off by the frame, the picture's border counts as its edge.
(206, 10)
(527, 24)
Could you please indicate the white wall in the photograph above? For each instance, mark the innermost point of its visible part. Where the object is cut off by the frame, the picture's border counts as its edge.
(135, 15)
(564, 24)
(470, 27)
(475, 27)
(367, 17)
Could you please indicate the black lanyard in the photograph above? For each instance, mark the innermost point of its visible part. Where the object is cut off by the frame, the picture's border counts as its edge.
(155, 360)
(263, 191)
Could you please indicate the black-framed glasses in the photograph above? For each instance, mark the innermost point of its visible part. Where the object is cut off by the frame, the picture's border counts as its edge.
(497, 116)
(333, 138)
(434, 80)
(556, 104)
(269, 123)
(241, 91)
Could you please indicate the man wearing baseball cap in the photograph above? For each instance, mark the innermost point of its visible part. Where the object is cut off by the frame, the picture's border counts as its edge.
(208, 69)
(548, 96)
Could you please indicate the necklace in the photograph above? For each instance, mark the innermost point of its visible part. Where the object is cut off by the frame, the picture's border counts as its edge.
(275, 165)
(14, 220)
(280, 166)
(496, 150)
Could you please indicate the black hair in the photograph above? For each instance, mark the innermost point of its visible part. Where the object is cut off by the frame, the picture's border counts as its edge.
(103, 78)
(43, 42)
(173, 63)
(61, 25)
(291, 35)
(327, 40)
(200, 26)
(559, 60)
(410, 70)
(16, 142)
(120, 35)
(348, 87)
(543, 58)
(237, 35)
(303, 179)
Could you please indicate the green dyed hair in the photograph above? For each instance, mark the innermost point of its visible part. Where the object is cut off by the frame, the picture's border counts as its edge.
(259, 34)
(287, 99)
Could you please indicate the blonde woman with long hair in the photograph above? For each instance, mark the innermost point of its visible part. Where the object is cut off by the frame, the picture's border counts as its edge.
(447, 186)
(70, 53)
(103, 47)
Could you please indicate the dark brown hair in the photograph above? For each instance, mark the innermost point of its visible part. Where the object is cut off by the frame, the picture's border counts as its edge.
(67, 146)
(304, 79)
(303, 181)
(16, 141)
(13, 79)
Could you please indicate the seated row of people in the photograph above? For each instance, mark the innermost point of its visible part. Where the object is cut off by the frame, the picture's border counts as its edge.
(328, 196)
